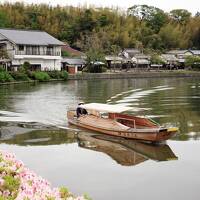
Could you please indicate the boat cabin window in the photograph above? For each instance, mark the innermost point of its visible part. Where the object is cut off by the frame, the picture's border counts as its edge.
(104, 115)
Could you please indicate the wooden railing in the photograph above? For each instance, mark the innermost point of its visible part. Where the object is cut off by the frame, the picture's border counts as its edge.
(42, 53)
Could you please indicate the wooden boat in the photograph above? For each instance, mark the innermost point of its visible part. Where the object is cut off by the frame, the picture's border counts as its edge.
(109, 119)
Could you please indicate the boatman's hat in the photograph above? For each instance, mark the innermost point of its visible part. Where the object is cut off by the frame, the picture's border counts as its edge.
(80, 103)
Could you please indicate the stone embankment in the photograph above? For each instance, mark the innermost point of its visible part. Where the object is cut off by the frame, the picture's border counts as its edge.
(131, 75)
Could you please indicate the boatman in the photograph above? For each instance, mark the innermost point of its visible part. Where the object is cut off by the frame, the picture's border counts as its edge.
(80, 110)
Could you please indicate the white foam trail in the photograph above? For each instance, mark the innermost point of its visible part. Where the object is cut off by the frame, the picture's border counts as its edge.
(122, 93)
(138, 95)
(161, 86)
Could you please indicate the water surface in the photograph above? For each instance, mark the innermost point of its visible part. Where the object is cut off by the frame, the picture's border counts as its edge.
(34, 127)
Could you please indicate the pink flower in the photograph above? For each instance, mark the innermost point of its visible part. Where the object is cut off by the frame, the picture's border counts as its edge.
(1, 181)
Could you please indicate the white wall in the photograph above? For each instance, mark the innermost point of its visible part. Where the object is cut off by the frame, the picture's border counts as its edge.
(46, 64)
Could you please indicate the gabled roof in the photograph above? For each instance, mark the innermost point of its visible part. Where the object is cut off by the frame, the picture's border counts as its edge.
(29, 37)
(169, 57)
(195, 52)
(130, 52)
(114, 58)
(143, 61)
(72, 51)
(176, 52)
(73, 61)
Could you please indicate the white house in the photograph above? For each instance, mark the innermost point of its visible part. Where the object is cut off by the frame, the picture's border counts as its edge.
(40, 49)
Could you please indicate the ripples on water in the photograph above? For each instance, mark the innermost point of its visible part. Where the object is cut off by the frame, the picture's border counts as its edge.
(171, 104)
(34, 126)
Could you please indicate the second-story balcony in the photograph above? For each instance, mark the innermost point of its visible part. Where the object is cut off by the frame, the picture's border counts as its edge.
(38, 53)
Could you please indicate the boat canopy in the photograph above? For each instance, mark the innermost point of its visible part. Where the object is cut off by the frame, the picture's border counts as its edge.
(106, 107)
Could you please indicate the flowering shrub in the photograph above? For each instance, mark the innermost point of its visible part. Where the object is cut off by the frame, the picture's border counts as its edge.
(20, 183)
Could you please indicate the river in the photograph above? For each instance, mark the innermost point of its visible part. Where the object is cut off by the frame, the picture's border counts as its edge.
(34, 126)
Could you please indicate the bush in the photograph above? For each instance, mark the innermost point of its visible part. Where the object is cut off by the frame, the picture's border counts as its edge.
(41, 76)
(19, 76)
(5, 76)
(95, 68)
(64, 75)
(104, 69)
(58, 74)
(193, 62)
(55, 74)
(26, 66)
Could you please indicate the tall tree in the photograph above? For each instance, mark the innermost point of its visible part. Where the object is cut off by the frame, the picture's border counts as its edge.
(181, 16)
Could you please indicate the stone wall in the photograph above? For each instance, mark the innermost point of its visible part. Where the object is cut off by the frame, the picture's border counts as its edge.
(86, 76)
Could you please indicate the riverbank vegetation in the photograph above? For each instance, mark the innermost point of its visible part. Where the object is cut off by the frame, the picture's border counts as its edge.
(141, 26)
(24, 74)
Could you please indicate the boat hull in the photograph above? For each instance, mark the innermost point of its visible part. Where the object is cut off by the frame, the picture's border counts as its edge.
(145, 135)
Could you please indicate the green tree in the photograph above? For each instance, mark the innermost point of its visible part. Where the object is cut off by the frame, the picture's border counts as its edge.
(4, 21)
(193, 62)
(181, 16)
(171, 36)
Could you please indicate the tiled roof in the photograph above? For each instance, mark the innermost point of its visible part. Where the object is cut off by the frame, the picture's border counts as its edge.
(73, 61)
(70, 50)
(29, 37)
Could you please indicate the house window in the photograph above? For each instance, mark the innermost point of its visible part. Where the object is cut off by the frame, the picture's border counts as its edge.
(50, 50)
(21, 47)
(32, 50)
(35, 50)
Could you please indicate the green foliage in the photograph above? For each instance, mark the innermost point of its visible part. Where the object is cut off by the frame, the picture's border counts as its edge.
(5, 76)
(181, 16)
(94, 68)
(156, 59)
(58, 74)
(3, 54)
(65, 54)
(64, 75)
(26, 66)
(20, 75)
(4, 20)
(64, 192)
(93, 57)
(55, 74)
(41, 76)
(11, 183)
(144, 26)
(193, 62)
(87, 197)
(154, 17)
(172, 37)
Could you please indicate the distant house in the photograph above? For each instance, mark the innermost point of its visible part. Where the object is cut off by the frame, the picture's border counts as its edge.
(40, 49)
(170, 60)
(115, 61)
(72, 65)
(130, 52)
(142, 60)
(195, 52)
(180, 55)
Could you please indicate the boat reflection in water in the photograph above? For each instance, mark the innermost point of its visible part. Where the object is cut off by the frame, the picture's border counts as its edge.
(125, 152)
